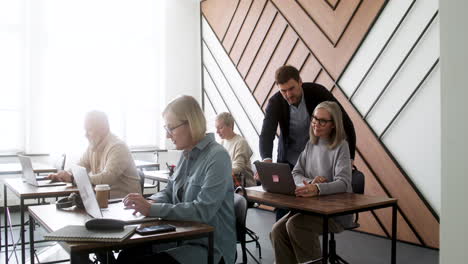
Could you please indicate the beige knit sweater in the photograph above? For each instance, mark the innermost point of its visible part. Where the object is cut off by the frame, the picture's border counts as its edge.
(110, 162)
(240, 153)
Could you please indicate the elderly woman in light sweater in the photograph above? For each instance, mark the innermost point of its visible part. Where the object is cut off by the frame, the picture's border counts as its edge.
(323, 168)
(238, 149)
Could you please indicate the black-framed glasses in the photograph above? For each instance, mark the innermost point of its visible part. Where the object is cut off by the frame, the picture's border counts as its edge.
(170, 130)
(321, 122)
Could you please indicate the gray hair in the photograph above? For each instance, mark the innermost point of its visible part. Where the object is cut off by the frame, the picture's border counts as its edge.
(227, 119)
(98, 119)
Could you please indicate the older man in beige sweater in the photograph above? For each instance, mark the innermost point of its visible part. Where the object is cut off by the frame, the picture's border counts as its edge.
(108, 159)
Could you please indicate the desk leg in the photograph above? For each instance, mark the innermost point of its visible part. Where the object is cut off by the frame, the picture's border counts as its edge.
(22, 231)
(210, 248)
(325, 240)
(394, 233)
(31, 239)
(5, 211)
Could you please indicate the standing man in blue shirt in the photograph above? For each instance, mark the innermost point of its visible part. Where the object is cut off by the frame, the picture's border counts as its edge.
(292, 108)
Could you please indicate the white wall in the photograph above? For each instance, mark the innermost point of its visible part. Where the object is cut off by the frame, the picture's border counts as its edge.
(454, 57)
(181, 52)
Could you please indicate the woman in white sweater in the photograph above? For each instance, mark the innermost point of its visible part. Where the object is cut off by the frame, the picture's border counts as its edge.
(238, 149)
(324, 167)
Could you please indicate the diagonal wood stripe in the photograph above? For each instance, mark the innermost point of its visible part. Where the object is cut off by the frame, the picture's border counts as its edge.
(332, 3)
(334, 59)
(269, 45)
(246, 31)
(258, 36)
(425, 224)
(373, 187)
(332, 22)
(278, 58)
(219, 20)
(236, 23)
(324, 79)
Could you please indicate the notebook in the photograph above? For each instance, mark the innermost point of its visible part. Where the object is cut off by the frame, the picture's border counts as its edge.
(29, 177)
(81, 234)
(276, 177)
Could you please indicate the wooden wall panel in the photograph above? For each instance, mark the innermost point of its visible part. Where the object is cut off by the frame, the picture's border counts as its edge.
(332, 22)
(334, 59)
(320, 37)
(373, 187)
(410, 203)
(271, 41)
(278, 58)
(324, 79)
(259, 34)
(236, 23)
(311, 70)
(246, 31)
(219, 20)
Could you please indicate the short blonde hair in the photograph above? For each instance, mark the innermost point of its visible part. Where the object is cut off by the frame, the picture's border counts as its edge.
(337, 134)
(227, 119)
(186, 108)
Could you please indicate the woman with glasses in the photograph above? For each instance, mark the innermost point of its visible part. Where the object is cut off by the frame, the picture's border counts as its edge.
(324, 167)
(199, 190)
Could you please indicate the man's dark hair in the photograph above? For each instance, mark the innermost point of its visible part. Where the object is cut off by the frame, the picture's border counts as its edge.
(286, 73)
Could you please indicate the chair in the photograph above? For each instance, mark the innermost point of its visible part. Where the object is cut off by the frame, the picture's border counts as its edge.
(240, 208)
(358, 184)
(251, 234)
(143, 184)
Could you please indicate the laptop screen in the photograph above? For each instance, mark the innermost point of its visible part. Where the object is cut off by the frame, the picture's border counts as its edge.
(86, 191)
(26, 166)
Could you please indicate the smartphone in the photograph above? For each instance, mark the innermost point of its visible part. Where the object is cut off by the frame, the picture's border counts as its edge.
(147, 230)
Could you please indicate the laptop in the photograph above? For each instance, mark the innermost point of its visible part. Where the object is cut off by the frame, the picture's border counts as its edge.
(91, 204)
(276, 177)
(30, 177)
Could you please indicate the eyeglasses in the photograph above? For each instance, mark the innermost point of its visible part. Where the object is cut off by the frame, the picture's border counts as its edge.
(321, 122)
(170, 130)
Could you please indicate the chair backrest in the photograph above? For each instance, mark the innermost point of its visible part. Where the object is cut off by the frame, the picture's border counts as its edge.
(240, 209)
(142, 180)
(358, 181)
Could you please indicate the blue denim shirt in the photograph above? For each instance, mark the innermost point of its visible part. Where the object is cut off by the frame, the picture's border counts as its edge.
(201, 190)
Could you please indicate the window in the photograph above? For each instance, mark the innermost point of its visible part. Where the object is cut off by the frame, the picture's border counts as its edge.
(65, 58)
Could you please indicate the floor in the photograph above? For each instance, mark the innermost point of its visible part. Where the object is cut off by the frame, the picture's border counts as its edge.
(353, 246)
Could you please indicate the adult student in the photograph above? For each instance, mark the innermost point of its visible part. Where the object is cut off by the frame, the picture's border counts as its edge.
(324, 167)
(108, 159)
(238, 149)
(200, 190)
(291, 108)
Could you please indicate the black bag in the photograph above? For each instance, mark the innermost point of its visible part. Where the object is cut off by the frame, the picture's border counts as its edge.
(357, 181)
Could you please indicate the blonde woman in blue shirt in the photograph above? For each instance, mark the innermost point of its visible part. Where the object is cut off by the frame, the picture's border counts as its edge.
(324, 167)
(200, 189)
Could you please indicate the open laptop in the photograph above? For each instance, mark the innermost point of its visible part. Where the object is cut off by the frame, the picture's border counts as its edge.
(91, 204)
(276, 177)
(30, 177)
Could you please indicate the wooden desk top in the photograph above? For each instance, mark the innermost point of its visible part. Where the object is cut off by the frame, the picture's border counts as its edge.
(15, 168)
(26, 190)
(141, 164)
(52, 219)
(160, 175)
(323, 205)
